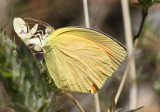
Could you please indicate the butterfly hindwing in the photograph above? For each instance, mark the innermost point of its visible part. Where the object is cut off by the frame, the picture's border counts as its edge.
(78, 61)
(114, 49)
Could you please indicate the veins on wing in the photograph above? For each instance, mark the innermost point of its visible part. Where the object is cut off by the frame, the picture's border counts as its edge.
(78, 61)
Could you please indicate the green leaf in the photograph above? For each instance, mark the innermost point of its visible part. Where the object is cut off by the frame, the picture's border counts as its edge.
(22, 78)
(52, 105)
(112, 107)
(146, 4)
(134, 110)
(44, 107)
(155, 2)
(20, 108)
(156, 85)
(61, 110)
(6, 74)
(118, 110)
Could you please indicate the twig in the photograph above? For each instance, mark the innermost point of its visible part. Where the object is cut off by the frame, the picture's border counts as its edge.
(75, 101)
(144, 15)
(129, 42)
(125, 73)
(97, 102)
(86, 16)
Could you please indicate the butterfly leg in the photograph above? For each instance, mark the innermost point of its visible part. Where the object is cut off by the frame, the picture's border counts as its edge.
(39, 53)
(40, 31)
(38, 36)
(32, 46)
(36, 47)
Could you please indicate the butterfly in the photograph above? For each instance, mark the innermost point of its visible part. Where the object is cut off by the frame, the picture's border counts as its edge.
(78, 59)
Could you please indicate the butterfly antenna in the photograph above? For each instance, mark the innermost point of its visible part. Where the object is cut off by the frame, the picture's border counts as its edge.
(43, 23)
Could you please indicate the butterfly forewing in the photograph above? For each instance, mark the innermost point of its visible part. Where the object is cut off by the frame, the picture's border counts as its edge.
(81, 62)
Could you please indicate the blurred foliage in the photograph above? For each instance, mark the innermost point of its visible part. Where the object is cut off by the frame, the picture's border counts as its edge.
(112, 107)
(135, 110)
(151, 56)
(146, 4)
(22, 78)
(156, 85)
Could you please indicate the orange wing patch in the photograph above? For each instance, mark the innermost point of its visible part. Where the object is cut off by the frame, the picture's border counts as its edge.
(95, 88)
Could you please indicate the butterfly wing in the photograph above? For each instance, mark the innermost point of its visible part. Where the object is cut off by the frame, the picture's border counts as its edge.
(80, 59)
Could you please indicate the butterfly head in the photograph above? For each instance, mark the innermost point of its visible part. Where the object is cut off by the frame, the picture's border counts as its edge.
(49, 30)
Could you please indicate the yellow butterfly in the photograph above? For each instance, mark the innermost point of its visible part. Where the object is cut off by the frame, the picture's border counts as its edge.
(81, 59)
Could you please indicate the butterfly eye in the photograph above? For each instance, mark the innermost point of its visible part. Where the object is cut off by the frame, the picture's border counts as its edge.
(48, 30)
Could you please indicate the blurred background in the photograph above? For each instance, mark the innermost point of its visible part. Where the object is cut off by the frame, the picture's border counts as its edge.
(105, 16)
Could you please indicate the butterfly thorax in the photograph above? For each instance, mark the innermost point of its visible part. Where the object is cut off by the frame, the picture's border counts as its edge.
(47, 38)
(48, 43)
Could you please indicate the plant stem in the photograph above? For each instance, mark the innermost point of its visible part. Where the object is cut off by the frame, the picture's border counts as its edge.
(74, 100)
(86, 16)
(136, 38)
(126, 71)
(129, 42)
(144, 15)
(97, 102)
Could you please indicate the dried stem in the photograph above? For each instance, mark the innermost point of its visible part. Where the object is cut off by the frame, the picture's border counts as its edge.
(126, 72)
(144, 14)
(97, 102)
(86, 16)
(136, 38)
(129, 43)
(75, 101)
